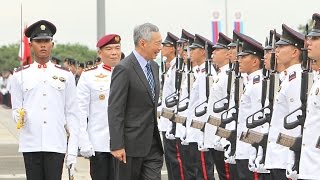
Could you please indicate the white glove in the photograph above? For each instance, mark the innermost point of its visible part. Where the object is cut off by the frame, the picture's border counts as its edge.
(16, 115)
(201, 147)
(260, 166)
(289, 172)
(87, 151)
(183, 141)
(252, 158)
(229, 159)
(218, 146)
(169, 135)
(70, 161)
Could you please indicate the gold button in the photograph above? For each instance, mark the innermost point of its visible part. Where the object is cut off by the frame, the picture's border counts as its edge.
(268, 141)
(44, 122)
(44, 81)
(44, 108)
(59, 87)
(303, 144)
(44, 94)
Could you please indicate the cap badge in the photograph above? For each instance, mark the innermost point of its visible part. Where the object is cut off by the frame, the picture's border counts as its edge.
(43, 27)
(117, 39)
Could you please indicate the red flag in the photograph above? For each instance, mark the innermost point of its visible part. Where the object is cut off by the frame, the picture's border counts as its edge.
(24, 51)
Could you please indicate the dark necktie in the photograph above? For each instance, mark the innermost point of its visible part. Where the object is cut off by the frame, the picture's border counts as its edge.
(150, 79)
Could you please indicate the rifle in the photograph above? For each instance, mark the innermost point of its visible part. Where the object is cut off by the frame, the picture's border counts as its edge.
(231, 77)
(163, 75)
(190, 80)
(208, 84)
(270, 85)
(231, 135)
(173, 99)
(294, 143)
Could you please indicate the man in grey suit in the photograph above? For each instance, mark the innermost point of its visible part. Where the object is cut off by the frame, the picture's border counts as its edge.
(134, 137)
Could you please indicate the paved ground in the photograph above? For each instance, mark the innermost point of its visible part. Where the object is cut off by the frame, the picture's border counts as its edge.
(11, 162)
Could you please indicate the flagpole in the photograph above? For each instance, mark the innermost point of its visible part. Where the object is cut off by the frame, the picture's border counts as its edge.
(226, 15)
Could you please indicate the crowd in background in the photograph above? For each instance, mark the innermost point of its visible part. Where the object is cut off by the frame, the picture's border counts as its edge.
(5, 78)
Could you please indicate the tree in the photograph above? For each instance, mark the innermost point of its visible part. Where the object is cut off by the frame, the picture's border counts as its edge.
(9, 54)
(9, 57)
(302, 28)
(78, 52)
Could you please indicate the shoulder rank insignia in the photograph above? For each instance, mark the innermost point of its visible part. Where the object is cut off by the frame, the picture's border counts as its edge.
(203, 70)
(60, 67)
(292, 76)
(90, 68)
(22, 68)
(256, 79)
(317, 91)
(101, 75)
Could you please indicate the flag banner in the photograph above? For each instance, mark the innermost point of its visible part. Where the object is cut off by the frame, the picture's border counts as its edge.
(216, 27)
(24, 50)
(238, 23)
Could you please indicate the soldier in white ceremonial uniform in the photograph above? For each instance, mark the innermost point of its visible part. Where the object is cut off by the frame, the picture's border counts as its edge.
(230, 159)
(310, 155)
(47, 94)
(250, 102)
(200, 165)
(218, 91)
(171, 148)
(93, 93)
(288, 52)
(184, 42)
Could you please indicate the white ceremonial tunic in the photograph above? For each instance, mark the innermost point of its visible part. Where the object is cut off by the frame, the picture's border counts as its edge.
(169, 88)
(197, 96)
(48, 96)
(93, 94)
(250, 102)
(218, 91)
(286, 101)
(181, 129)
(310, 155)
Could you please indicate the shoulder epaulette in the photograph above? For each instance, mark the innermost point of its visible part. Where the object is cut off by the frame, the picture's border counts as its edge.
(90, 68)
(22, 68)
(256, 79)
(292, 76)
(60, 67)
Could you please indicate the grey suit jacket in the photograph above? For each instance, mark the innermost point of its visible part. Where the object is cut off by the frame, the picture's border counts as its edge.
(131, 111)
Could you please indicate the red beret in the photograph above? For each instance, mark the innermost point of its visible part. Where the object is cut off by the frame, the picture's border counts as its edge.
(109, 39)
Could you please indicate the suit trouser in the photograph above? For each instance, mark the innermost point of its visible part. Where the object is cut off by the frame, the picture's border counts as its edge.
(218, 160)
(101, 166)
(278, 174)
(243, 171)
(43, 165)
(173, 158)
(141, 168)
(199, 165)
